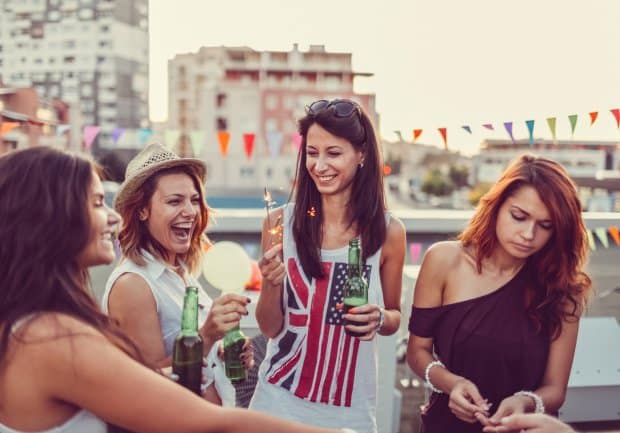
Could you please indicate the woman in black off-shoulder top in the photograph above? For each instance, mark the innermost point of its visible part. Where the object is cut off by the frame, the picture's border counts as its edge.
(495, 314)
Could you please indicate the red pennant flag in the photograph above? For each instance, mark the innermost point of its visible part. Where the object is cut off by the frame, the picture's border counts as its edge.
(416, 134)
(616, 113)
(7, 127)
(296, 141)
(593, 116)
(248, 144)
(444, 135)
(223, 137)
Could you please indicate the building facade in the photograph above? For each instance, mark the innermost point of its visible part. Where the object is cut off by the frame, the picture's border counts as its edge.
(92, 54)
(244, 91)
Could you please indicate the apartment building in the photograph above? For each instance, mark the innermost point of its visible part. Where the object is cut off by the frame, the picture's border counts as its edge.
(241, 90)
(92, 54)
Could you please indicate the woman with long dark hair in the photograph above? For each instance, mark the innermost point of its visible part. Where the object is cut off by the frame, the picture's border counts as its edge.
(65, 367)
(495, 314)
(314, 371)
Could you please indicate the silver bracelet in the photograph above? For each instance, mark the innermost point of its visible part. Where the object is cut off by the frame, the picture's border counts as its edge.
(539, 405)
(381, 320)
(427, 377)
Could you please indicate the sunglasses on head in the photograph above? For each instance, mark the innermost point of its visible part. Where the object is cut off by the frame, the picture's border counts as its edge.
(339, 107)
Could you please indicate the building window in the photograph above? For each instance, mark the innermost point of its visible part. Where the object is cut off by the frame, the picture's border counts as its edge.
(69, 59)
(221, 100)
(246, 171)
(271, 102)
(221, 124)
(269, 172)
(68, 44)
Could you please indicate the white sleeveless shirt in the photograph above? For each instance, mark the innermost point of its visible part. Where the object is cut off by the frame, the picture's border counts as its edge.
(82, 422)
(313, 372)
(168, 289)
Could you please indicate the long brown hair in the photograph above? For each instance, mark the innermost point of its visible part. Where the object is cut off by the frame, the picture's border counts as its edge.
(44, 226)
(558, 288)
(134, 235)
(366, 207)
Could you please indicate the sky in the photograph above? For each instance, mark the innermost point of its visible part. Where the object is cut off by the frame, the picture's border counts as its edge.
(436, 63)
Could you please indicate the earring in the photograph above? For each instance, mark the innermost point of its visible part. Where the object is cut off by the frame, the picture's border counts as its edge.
(361, 164)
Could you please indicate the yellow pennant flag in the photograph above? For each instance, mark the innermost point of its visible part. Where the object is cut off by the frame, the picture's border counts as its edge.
(223, 137)
(601, 234)
(551, 123)
(591, 240)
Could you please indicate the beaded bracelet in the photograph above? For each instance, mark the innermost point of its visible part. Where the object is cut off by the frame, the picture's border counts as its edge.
(539, 405)
(427, 377)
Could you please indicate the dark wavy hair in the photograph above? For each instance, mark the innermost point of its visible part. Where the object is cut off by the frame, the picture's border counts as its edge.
(367, 204)
(134, 235)
(559, 288)
(44, 226)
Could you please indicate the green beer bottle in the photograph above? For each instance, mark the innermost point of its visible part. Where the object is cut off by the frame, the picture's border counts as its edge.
(356, 287)
(187, 353)
(233, 348)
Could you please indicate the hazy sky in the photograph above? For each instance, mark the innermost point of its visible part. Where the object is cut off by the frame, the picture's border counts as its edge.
(437, 63)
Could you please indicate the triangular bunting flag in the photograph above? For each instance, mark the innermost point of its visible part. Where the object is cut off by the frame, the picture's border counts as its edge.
(593, 116)
(248, 144)
(399, 135)
(198, 141)
(62, 128)
(601, 234)
(530, 130)
(508, 126)
(144, 134)
(444, 135)
(573, 123)
(7, 127)
(466, 128)
(616, 113)
(116, 134)
(171, 137)
(551, 123)
(416, 134)
(90, 133)
(488, 126)
(615, 234)
(591, 240)
(415, 248)
(296, 141)
(274, 141)
(223, 137)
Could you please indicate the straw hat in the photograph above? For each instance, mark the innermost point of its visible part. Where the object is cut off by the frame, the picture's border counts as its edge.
(149, 161)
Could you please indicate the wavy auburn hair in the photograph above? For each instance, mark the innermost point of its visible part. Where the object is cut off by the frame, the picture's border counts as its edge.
(44, 226)
(366, 207)
(558, 288)
(134, 235)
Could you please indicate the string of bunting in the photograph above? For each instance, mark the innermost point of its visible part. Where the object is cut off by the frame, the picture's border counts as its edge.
(530, 125)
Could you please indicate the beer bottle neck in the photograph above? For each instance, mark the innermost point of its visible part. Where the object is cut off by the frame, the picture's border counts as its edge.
(189, 321)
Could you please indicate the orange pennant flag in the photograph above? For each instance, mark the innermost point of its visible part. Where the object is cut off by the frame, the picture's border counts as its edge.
(593, 116)
(616, 113)
(223, 137)
(444, 135)
(8, 127)
(613, 231)
(416, 134)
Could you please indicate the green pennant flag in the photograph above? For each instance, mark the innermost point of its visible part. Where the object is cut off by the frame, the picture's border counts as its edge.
(551, 123)
(573, 122)
(198, 139)
(601, 234)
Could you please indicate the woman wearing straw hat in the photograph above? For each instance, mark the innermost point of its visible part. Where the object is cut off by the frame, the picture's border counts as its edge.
(162, 203)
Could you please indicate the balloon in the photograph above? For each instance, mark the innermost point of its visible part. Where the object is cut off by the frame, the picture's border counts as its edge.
(256, 278)
(227, 267)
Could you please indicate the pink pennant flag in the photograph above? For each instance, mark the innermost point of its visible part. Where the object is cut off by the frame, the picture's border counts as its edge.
(296, 140)
(616, 113)
(488, 126)
(415, 248)
(90, 133)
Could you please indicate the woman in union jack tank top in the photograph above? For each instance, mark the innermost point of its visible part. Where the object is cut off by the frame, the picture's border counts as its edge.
(314, 372)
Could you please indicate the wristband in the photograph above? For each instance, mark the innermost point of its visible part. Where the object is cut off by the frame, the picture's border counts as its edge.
(427, 377)
(539, 405)
(381, 320)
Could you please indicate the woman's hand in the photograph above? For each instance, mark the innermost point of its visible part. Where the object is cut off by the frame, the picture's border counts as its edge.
(465, 402)
(247, 354)
(364, 320)
(271, 267)
(225, 314)
(531, 422)
(509, 406)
